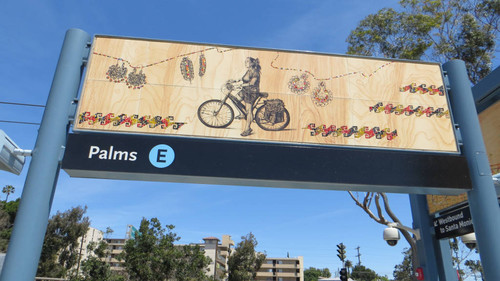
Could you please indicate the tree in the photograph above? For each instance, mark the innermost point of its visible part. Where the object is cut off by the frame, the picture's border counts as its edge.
(193, 261)
(404, 271)
(60, 247)
(313, 274)
(475, 267)
(348, 265)
(460, 259)
(245, 262)
(362, 273)
(108, 232)
(8, 211)
(8, 189)
(152, 255)
(440, 30)
(375, 197)
(94, 268)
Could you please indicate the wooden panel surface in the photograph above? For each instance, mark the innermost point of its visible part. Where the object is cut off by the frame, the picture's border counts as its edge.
(331, 100)
(490, 126)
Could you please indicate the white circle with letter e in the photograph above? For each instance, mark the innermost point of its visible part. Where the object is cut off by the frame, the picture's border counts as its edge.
(161, 156)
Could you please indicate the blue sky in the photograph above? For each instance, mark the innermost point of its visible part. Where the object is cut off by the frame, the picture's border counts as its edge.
(305, 223)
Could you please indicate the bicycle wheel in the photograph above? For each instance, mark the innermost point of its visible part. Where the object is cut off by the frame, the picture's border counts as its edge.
(269, 124)
(215, 114)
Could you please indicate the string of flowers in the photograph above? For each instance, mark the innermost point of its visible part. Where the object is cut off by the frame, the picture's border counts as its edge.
(409, 110)
(161, 61)
(328, 78)
(357, 132)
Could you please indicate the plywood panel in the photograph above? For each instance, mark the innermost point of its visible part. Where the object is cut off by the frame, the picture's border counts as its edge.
(157, 87)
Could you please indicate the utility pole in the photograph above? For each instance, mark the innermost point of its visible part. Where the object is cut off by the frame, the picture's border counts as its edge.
(358, 256)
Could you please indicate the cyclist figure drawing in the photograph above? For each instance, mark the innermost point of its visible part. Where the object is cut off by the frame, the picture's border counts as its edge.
(253, 105)
(250, 86)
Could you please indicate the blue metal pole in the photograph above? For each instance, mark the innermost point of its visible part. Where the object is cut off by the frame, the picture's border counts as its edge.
(444, 261)
(482, 198)
(425, 246)
(30, 225)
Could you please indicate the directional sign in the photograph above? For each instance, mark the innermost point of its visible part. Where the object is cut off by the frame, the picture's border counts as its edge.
(456, 223)
(195, 160)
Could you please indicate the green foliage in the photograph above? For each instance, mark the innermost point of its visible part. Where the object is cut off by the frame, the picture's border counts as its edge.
(8, 211)
(348, 265)
(404, 271)
(245, 261)
(391, 34)
(94, 268)
(475, 267)
(193, 261)
(441, 30)
(362, 273)
(152, 255)
(313, 274)
(60, 249)
(461, 259)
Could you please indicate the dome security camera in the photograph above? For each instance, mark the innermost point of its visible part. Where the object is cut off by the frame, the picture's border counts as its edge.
(469, 240)
(391, 236)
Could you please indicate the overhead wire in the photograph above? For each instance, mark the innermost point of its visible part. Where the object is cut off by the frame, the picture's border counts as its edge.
(21, 104)
(19, 122)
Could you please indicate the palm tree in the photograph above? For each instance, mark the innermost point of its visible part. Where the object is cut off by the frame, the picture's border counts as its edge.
(348, 264)
(8, 189)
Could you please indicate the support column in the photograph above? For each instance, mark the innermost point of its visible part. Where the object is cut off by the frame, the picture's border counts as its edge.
(27, 237)
(444, 261)
(425, 246)
(483, 202)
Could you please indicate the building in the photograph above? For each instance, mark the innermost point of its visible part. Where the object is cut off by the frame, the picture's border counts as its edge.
(273, 269)
(93, 235)
(282, 269)
(115, 247)
(216, 251)
(219, 254)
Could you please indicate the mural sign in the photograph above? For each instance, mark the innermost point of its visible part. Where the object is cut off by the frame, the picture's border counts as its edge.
(219, 92)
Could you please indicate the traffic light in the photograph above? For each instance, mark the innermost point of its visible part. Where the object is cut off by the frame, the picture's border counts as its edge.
(343, 274)
(341, 251)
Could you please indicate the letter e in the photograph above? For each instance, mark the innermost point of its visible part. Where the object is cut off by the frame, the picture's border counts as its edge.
(161, 157)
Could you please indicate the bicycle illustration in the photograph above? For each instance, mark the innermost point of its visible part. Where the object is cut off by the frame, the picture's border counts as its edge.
(269, 114)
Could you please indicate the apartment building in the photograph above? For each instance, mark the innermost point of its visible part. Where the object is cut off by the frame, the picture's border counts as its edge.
(282, 269)
(273, 269)
(115, 247)
(218, 251)
(92, 235)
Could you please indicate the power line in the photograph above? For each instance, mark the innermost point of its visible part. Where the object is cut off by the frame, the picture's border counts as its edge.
(19, 122)
(22, 104)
